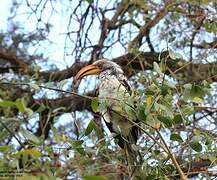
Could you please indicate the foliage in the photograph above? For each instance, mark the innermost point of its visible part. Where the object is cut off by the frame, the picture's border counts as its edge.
(50, 128)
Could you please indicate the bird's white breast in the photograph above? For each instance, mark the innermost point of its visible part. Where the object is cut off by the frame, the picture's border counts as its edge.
(111, 88)
(114, 94)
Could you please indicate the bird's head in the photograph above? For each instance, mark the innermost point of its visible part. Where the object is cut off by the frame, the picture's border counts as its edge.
(98, 67)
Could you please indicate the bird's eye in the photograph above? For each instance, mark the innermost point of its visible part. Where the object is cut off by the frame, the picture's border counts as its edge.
(100, 65)
(109, 68)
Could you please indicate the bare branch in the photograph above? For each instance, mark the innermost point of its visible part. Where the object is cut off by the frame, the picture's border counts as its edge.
(207, 45)
(14, 61)
(196, 72)
(144, 30)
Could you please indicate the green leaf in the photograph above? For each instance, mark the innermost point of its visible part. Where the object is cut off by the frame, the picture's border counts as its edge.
(153, 121)
(177, 119)
(29, 111)
(76, 143)
(156, 152)
(172, 55)
(207, 25)
(150, 177)
(194, 93)
(167, 121)
(33, 152)
(197, 91)
(157, 68)
(188, 110)
(195, 144)
(90, 1)
(134, 50)
(186, 94)
(89, 128)
(102, 106)
(210, 26)
(21, 105)
(166, 108)
(6, 148)
(94, 104)
(81, 151)
(55, 134)
(41, 108)
(176, 137)
(7, 103)
(29, 135)
(208, 142)
(197, 100)
(169, 168)
(140, 113)
(130, 112)
(95, 178)
(164, 90)
(212, 157)
(187, 86)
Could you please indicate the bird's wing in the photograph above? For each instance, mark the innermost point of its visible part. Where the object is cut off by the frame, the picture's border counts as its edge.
(135, 130)
(119, 138)
(111, 113)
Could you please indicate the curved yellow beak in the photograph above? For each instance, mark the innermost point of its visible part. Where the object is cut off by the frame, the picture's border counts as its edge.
(87, 70)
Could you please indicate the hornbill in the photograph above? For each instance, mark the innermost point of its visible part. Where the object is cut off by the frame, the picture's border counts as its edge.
(114, 92)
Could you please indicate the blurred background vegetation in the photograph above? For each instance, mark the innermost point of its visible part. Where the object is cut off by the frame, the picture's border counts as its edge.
(50, 128)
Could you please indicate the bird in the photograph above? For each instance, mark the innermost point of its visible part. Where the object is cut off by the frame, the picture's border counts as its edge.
(114, 92)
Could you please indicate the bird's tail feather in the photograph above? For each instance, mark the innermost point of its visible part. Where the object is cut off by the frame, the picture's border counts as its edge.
(134, 160)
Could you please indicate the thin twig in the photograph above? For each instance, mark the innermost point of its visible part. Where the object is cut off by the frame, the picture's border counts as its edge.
(176, 164)
(12, 133)
(50, 88)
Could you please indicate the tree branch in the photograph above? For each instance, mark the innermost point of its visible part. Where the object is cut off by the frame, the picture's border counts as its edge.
(144, 30)
(195, 73)
(181, 69)
(206, 45)
(14, 60)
